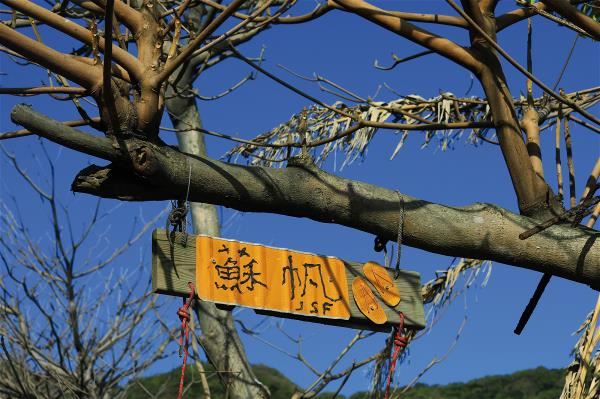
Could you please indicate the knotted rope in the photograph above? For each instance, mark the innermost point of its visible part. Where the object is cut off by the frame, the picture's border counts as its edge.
(400, 342)
(184, 315)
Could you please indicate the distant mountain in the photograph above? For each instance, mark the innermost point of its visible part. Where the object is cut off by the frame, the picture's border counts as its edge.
(539, 383)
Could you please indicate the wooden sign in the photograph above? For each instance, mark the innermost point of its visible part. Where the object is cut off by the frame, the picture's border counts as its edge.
(260, 277)
(286, 283)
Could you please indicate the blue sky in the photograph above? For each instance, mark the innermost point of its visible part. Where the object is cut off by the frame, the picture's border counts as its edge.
(343, 48)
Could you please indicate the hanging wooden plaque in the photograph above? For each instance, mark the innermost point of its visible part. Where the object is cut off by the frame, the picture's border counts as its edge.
(283, 282)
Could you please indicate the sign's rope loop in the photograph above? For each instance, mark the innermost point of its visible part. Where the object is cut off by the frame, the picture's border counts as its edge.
(177, 218)
(400, 342)
(380, 242)
(184, 315)
(400, 234)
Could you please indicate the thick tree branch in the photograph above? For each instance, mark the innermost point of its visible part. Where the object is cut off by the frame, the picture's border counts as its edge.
(132, 18)
(533, 194)
(387, 20)
(89, 5)
(74, 139)
(492, 42)
(76, 31)
(569, 12)
(512, 17)
(479, 231)
(60, 63)
(25, 132)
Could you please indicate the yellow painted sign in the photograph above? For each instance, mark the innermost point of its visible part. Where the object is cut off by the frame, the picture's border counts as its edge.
(261, 277)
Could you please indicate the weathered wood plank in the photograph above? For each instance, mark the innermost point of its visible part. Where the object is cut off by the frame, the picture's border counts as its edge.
(172, 269)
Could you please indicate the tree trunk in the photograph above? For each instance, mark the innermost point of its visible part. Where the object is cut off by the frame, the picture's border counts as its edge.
(219, 338)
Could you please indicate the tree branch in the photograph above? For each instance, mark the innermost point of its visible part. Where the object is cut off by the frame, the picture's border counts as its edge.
(122, 57)
(565, 9)
(25, 132)
(32, 91)
(389, 21)
(194, 44)
(107, 93)
(320, 10)
(478, 231)
(518, 66)
(512, 17)
(60, 63)
(126, 14)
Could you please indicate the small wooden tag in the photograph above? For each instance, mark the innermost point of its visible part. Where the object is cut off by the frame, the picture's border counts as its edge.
(383, 283)
(366, 301)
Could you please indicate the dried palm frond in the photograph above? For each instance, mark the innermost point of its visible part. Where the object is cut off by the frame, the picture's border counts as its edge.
(582, 380)
(324, 124)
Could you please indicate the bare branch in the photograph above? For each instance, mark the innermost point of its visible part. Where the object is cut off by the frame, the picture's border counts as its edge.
(25, 132)
(76, 31)
(194, 44)
(60, 63)
(518, 66)
(389, 21)
(571, 13)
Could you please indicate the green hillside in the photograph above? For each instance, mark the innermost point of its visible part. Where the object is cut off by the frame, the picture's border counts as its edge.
(539, 383)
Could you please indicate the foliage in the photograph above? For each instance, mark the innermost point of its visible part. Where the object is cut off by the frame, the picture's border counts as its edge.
(538, 383)
(279, 385)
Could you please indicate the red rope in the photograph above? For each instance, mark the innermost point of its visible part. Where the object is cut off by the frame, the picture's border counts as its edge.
(184, 316)
(400, 342)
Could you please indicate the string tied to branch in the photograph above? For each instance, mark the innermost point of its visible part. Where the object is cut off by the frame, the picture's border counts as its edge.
(380, 242)
(400, 341)
(184, 315)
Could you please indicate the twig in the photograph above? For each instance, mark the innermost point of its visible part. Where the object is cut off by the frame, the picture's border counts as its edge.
(194, 44)
(566, 63)
(398, 60)
(584, 123)
(577, 212)
(32, 91)
(364, 123)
